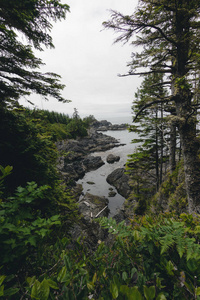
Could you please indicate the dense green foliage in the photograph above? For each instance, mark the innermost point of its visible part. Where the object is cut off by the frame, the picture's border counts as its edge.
(37, 209)
(27, 144)
(152, 258)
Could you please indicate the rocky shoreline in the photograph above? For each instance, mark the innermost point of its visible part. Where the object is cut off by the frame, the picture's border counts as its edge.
(75, 161)
(76, 155)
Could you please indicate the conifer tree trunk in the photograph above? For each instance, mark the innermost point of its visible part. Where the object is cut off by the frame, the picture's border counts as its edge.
(172, 150)
(185, 113)
(156, 154)
(190, 147)
(161, 146)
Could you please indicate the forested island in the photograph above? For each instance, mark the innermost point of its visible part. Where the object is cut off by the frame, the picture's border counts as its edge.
(54, 245)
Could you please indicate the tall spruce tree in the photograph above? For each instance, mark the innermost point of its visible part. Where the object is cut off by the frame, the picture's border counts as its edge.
(19, 67)
(168, 32)
(151, 127)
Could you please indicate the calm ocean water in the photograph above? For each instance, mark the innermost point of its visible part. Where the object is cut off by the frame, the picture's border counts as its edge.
(98, 177)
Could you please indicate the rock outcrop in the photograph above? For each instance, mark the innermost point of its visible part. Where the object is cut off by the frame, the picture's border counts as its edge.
(120, 180)
(105, 125)
(112, 158)
(76, 159)
(91, 207)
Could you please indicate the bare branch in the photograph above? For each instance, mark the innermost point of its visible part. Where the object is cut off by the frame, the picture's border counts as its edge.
(144, 73)
(164, 100)
(161, 83)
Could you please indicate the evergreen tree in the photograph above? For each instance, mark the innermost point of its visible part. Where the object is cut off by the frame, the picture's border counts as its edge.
(168, 32)
(19, 67)
(151, 128)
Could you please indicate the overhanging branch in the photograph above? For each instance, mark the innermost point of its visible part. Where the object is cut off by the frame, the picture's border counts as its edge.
(164, 100)
(145, 73)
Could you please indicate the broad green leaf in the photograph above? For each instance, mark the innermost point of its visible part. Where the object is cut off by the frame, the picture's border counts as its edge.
(10, 292)
(43, 232)
(31, 280)
(44, 290)
(161, 296)
(35, 291)
(67, 262)
(52, 284)
(94, 279)
(197, 291)
(1, 290)
(114, 290)
(131, 293)
(192, 265)
(149, 292)
(62, 274)
(134, 294)
(90, 286)
(124, 276)
(2, 278)
(31, 241)
(124, 289)
(133, 271)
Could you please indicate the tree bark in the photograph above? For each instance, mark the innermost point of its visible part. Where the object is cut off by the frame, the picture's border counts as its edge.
(172, 150)
(190, 151)
(190, 147)
(186, 116)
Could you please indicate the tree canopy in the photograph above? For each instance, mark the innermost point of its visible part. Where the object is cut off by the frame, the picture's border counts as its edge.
(168, 35)
(19, 67)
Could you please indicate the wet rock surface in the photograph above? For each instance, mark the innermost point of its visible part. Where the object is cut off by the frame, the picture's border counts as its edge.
(120, 180)
(76, 159)
(112, 158)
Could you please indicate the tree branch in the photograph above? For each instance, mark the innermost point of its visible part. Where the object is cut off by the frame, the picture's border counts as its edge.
(171, 98)
(144, 73)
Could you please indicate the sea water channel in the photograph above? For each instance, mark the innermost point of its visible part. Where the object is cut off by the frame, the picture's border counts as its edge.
(99, 185)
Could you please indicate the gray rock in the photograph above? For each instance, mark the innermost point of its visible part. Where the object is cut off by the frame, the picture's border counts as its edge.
(120, 181)
(105, 125)
(91, 232)
(92, 163)
(112, 194)
(112, 158)
(75, 155)
(91, 205)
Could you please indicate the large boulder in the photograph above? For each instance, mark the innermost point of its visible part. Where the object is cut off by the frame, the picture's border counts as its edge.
(120, 181)
(111, 158)
(92, 163)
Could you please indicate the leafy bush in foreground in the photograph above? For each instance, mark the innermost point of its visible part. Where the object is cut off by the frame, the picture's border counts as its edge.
(153, 258)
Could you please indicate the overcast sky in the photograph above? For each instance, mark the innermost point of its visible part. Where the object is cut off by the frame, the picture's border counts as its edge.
(89, 62)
